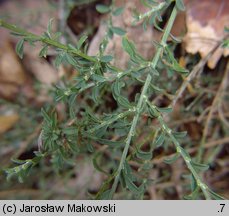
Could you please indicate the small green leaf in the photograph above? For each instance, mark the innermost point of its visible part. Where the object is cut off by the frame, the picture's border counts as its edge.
(71, 47)
(128, 171)
(118, 31)
(156, 88)
(92, 116)
(124, 102)
(225, 43)
(46, 116)
(144, 155)
(97, 166)
(59, 59)
(110, 33)
(20, 178)
(43, 52)
(128, 46)
(81, 41)
(70, 130)
(164, 109)
(57, 36)
(20, 48)
(180, 135)
(116, 88)
(172, 159)
(110, 142)
(39, 155)
(73, 145)
(152, 112)
(130, 184)
(200, 167)
(152, 20)
(71, 60)
(178, 68)
(174, 64)
(180, 5)
(106, 58)
(159, 17)
(145, 24)
(193, 195)
(49, 29)
(160, 140)
(96, 93)
(18, 161)
(90, 147)
(99, 133)
(175, 39)
(98, 78)
(102, 8)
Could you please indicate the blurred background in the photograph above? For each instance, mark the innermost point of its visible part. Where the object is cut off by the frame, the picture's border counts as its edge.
(27, 85)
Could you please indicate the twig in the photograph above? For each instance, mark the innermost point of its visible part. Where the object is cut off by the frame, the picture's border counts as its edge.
(192, 119)
(222, 115)
(192, 75)
(208, 145)
(218, 97)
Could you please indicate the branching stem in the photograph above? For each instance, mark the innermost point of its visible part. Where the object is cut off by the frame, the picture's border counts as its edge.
(141, 101)
(45, 40)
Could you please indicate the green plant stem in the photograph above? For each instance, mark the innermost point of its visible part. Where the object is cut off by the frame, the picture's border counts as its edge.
(130, 135)
(109, 122)
(23, 33)
(186, 158)
(153, 10)
(141, 101)
(45, 40)
(164, 37)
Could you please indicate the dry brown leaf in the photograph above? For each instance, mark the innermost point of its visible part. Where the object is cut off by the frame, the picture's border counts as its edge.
(8, 91)
(41, 69)
(205, 21)
(11, 70)
(7, 122)
(12, 74)
(179, 27)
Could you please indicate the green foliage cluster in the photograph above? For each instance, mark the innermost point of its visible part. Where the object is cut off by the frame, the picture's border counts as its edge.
(84, 126)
